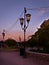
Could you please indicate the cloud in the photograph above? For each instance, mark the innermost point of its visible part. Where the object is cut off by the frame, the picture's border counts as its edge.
(42, 11)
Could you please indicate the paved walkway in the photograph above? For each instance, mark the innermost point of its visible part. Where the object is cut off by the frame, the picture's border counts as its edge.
(14, 58)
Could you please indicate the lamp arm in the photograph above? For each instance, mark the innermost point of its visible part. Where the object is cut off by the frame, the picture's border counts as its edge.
(27, 25)
(22, 27)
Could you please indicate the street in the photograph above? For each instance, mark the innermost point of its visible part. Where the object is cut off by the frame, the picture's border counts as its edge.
(14, 58)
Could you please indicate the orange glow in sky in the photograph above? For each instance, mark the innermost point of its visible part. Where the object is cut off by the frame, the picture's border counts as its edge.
(15, 35)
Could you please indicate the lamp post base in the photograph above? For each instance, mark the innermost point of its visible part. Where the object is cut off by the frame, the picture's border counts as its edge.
(23, 52)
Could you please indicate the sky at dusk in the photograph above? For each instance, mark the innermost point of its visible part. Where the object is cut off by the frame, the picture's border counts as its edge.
(12, 10)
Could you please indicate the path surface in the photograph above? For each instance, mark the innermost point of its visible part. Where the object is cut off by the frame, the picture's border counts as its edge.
(14, 58)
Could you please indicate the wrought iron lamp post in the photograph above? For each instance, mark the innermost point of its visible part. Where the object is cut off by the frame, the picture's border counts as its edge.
(24, 22)
(3, 34)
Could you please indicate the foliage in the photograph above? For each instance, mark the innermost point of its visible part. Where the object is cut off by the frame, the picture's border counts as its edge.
(44, 36)
(40, 38)
(11, 43)
(32, 42)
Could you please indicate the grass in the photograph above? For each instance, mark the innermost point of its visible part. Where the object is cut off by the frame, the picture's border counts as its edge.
(9, 49)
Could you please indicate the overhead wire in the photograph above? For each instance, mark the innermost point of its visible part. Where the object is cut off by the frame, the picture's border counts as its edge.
(34, 9)
(39, 9)
(13, 25)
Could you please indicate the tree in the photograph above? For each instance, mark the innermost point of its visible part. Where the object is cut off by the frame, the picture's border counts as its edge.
(44, 36)
(41, 36)
(11, 43)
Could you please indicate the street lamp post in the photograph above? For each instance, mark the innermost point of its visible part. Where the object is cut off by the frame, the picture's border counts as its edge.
(3, 34)
(23, 23)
